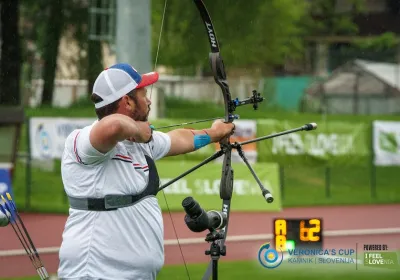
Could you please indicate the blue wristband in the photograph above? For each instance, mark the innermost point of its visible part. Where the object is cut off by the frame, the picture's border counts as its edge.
(201, 140)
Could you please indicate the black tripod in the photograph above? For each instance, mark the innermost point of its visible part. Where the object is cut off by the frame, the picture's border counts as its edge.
(215, 250)
(215, 236)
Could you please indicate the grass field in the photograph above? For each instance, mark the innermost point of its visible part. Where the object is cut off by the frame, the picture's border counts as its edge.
(253, 270)
(302, 186)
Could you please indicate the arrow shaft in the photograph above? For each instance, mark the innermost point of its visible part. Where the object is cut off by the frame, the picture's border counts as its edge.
(186, 123)
(194, 122)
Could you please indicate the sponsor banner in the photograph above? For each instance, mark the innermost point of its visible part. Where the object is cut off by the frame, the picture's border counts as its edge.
(6, 188)
(5, 182)
(336, 143)
(48, 135)
(386, 142)
(382, 260)
(204, 186)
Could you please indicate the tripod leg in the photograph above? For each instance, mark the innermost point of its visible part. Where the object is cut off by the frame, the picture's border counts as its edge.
(212, 269)
(266, 193)
(215, 252)
(215, 270)
(219, 245)
(208, 272)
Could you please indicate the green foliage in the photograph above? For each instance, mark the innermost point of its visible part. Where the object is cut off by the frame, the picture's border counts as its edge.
(254, 35)
(386, 41)
(36, 17)
(33, 14)
(10, 58)
(325, 20)
(180, 30)
(275, 34)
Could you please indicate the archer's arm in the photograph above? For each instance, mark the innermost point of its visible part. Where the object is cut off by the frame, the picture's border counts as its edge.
(116, 127)
(185, 141)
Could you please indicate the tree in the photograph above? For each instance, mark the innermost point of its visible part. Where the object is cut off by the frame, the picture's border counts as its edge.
(45, 33)
(54, 28)
(10, 54)
(94, 51)
(257, 35)
(325, 20)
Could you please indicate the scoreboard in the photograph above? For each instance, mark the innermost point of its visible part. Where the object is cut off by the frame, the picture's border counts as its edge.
(292, 234)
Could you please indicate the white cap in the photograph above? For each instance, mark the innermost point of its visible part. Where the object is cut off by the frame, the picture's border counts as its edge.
(118, 80)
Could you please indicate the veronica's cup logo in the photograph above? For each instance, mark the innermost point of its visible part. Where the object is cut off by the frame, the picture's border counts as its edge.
(269, 257)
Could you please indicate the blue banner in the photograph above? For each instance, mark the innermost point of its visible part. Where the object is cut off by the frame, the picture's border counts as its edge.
(5, 187)
(5, 182)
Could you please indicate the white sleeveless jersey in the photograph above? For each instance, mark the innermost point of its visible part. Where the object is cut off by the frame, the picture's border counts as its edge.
(122, 244)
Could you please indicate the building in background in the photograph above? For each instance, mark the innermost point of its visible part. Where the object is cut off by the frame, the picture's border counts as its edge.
(357, 87)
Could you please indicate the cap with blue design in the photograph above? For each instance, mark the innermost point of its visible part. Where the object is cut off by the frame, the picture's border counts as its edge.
(118, 80)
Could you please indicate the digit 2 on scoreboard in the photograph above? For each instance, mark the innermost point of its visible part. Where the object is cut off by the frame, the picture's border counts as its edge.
(297, 233)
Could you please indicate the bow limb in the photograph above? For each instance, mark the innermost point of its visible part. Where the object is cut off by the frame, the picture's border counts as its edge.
(218, 69)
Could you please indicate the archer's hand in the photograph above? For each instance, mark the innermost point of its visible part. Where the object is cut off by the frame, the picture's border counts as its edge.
(222, 130)
(144, 133)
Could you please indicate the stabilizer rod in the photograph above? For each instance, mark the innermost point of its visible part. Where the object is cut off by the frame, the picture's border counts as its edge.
(307, 127)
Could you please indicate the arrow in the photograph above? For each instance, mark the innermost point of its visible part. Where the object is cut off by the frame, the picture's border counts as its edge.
(235, 117)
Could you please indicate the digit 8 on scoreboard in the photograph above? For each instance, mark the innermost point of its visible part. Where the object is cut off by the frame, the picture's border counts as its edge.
(297, 233)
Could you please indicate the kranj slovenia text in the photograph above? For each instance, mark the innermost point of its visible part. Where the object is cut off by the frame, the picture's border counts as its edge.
(321, 256)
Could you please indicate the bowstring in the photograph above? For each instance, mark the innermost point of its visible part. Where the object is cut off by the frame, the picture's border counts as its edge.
(151, 93)
(159, 43)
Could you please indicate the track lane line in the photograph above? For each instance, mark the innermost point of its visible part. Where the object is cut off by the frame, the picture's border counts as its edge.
(234, 238)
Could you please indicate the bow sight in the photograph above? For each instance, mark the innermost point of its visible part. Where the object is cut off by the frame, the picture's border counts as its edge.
(255, 99)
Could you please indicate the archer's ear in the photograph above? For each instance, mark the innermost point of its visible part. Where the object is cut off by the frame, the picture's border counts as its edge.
(128, 103)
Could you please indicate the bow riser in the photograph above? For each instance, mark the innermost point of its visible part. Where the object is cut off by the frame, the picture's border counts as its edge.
(217, 66)
(226, 186)
(219, 77)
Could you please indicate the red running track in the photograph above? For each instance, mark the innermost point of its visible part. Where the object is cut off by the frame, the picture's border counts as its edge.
(46, 231)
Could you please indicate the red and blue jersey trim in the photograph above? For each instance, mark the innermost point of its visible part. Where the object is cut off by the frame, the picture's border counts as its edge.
(128, 159)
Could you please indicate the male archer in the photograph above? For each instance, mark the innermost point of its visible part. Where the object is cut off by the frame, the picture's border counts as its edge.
(115, 226)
